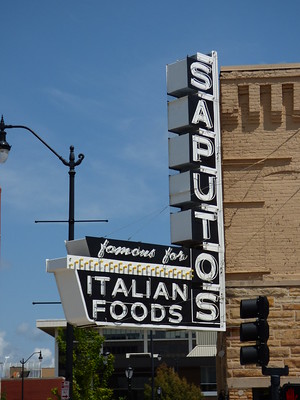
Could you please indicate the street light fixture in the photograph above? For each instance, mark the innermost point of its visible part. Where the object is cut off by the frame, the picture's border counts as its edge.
(4, 146)
(105, 358)
(23, 362)
(159, 391)
(129, 374)
(4, 151)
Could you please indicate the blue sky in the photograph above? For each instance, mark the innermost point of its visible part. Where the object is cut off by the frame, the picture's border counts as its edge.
(92, 74)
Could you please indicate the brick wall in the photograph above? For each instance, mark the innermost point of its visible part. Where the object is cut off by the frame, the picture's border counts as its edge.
(260, 121)
(34, 389)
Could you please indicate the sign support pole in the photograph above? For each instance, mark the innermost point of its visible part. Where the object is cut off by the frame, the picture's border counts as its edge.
(152, 365)
(70, 330)
(275, 374)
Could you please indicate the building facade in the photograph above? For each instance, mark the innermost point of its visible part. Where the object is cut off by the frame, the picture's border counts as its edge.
(260, 121)
(190, 354)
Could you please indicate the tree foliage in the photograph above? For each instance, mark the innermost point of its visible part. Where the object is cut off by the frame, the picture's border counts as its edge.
(91, 369)
(173, 387)
(3, 396)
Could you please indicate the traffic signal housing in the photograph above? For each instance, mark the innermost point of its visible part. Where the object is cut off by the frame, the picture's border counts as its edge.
(256, 331)
(290, 391)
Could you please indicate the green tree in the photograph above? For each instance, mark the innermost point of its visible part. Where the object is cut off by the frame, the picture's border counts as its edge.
(3, 396)
(172, 386)
(91, 369)
(54, 391)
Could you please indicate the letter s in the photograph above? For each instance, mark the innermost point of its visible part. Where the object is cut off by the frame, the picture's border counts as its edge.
(201, 80)
(211, 310)
(175, 314)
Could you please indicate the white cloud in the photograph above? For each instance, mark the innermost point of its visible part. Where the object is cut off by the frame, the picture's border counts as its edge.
(3, 345)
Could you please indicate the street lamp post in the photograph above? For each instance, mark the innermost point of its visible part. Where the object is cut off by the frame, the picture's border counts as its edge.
(152, 355)
(159, 392)
(129, 374)
(105, 358)
(4, 151)
(23, 362)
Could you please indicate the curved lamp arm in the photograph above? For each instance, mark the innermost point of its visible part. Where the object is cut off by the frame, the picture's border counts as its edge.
(36, 352)
(4, 145)
(4, 150)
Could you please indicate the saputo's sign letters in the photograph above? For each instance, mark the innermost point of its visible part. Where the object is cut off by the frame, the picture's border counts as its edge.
(195, 155)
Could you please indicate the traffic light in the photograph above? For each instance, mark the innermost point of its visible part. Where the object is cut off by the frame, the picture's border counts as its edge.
(290, 391)
(256, 331)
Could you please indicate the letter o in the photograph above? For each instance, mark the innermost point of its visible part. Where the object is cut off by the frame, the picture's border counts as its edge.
(135, 252)
(113, 313)
(133, 311)
(199, 267)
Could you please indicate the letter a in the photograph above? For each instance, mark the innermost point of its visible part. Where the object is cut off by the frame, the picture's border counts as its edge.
(202, 114)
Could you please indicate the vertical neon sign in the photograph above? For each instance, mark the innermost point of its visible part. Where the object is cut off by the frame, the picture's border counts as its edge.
(196, 189)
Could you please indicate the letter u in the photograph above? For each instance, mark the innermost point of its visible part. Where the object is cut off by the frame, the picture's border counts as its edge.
(210, 195)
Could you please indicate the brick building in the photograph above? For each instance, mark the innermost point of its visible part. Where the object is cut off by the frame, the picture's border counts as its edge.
(34, 388)
(260, 121)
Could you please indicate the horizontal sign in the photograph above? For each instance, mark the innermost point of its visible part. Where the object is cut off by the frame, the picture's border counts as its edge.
(137, 251)
(136, 284)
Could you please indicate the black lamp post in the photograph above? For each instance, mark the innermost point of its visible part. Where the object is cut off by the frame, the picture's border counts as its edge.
(23, 362)
(129, 374)
(4, 150)
(152, 355)
(105, 358)
(159, 391)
